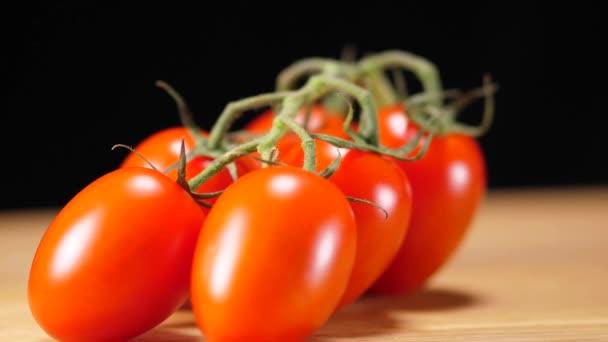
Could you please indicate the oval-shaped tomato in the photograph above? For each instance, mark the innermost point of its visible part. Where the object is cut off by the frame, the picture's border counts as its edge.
(116, 260)
(379, 180)
(162, 149)
(448, 185)
(274, 257)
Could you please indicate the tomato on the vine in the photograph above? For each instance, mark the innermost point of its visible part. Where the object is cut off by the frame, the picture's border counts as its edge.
(116, 260)
(162, 150)
(448, 185)
(380, 234)
(274, 257)
(375, 178)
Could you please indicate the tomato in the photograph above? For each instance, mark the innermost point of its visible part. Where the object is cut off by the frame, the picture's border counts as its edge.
(116, 260)
(377, 179)
(326, 153)
(274, 257)
(448, 185)
(162, 149)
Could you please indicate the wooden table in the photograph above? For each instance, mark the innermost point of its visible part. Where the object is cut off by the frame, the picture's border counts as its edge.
(533, 268)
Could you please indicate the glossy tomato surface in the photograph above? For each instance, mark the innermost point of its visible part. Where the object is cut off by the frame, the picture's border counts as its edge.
(116, 260)
(274, 258)
(379, 180)
(448, 185)
(162, 149)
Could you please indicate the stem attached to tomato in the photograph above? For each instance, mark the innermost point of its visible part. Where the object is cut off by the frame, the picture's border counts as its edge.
(221, 161)
(235, 109)
(308, 144)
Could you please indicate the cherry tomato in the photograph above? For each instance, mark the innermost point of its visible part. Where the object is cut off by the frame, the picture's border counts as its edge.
(274, 257)
(448, 185)
(116, 260)
(162, 149)
(377, 179)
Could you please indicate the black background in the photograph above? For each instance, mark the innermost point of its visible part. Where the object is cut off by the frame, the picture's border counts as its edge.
(79, 78)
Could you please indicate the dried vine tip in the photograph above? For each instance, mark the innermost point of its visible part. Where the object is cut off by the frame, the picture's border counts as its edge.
(333, 167)
(364, 201)
(349, 53)
(132, 150)
(181, 170)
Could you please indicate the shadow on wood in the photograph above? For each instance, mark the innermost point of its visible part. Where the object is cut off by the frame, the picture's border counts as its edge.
(374, 315)
(163, 334)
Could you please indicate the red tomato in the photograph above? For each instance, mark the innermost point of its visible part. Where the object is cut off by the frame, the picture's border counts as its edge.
(162, 149)
(274, 257)
(379, 180)
(116, 260)
(448, 184)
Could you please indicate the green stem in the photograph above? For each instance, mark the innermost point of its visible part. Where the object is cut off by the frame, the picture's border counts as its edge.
(308, 144)
(218, 163)
(424, 69)
(368, 125)
(185, 115)
(291, 107)
(310, 66)
(235, 109)
(400, 84)
(487, 90)
(316, 87)
(381, 89)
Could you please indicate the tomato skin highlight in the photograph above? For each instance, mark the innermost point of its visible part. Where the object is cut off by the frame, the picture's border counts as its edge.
(448, 185)
(162, 149)
(377, 179)
(116, 260)
(274, 258)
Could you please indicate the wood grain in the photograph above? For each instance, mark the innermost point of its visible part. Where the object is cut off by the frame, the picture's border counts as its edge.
(534, 267)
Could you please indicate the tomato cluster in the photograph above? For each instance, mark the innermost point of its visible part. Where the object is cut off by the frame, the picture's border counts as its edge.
(270, 232)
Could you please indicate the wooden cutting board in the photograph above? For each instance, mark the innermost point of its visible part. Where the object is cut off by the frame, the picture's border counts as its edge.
(534, 267)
